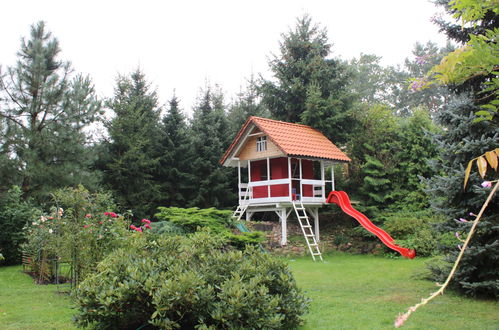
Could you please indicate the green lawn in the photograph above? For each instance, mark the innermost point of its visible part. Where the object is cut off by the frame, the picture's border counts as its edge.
(368, 292)
(347, 292)
(24, 305)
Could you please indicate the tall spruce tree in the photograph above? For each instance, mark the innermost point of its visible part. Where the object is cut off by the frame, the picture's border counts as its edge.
(131, 162)
(210, 138)
(174, 172)
(308, 86)
(462, 140)
(46, 110)
(247, 104)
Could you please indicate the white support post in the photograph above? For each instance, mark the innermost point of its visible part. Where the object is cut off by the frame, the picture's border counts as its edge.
(332, 177)
(239, 179)
(315, 214)
(290, 179)
(323, 180)
(249, 171)
(301, 185)
(248, 215)
(284, 229)
(268, 176)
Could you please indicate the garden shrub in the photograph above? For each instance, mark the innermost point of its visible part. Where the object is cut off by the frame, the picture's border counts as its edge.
(15, 213)
(414, 230)
(192, 218)
(187, 282)
(175, 220)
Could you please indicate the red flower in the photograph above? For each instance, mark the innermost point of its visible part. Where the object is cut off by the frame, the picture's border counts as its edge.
(100, 222)
(138, 229)
(146, 221)
(88, 215)
(107, 213)
(133, 227)
(147, 226)
(85, 226)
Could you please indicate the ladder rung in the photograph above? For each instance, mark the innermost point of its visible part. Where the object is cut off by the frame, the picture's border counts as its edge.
(306, 226)
(313, 244)
(316, 254)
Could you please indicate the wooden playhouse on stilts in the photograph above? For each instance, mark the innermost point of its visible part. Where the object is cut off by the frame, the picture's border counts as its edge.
(282, 169)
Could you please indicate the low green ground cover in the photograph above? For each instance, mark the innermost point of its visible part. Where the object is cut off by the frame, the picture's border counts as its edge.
(368, 292)
(347, 291)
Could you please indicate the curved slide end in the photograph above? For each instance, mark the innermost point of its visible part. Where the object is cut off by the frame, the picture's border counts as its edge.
(343, 201)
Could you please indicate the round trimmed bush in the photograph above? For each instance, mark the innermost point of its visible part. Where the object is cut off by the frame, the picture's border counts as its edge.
(190, 282)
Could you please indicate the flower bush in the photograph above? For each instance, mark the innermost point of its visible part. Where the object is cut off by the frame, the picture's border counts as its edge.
(188, 282)
(79, 230)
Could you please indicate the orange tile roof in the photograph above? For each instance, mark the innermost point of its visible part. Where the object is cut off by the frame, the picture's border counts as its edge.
(293, 140)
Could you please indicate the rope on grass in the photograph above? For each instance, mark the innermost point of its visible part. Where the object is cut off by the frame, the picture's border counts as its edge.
(403, 317)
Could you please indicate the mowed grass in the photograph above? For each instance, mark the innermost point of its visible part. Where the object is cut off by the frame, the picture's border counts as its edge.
(368, 292)
(347, 292)
(25, 305)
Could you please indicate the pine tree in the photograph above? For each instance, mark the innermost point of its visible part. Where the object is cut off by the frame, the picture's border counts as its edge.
(210, 138)
(462, 140)
(308, 86)
(47, 109)
(131, 162)
(174, 172)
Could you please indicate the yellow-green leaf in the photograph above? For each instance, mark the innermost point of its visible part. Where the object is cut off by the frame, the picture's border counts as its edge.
(481, 163)
(467, 173)
(492, 159)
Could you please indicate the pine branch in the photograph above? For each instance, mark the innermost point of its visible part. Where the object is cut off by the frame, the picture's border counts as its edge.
(403, 317)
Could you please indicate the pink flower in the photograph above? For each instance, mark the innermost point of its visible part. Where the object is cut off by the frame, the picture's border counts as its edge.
(107, 213)
(146, 221)
(133, 227)
(462, 220)
(88, 215)
(456, 234)
(148, 226)
(138, 229)
(100, 222)
(486, 184)
(85, 226)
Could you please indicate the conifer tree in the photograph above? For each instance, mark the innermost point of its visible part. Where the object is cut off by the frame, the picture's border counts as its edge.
(210, 138)
(462, 140)
(131, 162)
(247, 104)
(174, 172)
(46, 110)
(309, 87)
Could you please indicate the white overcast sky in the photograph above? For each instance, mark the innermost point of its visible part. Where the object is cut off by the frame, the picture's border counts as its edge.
(183, 44)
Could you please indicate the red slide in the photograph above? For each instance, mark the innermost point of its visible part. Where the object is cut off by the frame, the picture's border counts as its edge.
(341, 199)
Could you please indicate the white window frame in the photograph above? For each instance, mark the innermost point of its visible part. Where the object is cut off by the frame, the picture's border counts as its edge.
(261, 143)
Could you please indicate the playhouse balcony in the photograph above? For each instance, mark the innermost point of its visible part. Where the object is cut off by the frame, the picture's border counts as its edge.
(281, 190)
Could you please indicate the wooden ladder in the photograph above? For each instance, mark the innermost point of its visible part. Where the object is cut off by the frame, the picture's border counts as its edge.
(306, 229)
(241, 208)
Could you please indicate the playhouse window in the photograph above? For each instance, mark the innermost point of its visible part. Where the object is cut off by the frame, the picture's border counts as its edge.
(261, 143)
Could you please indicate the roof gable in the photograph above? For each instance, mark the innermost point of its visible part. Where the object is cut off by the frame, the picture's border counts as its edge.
(292, 139)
